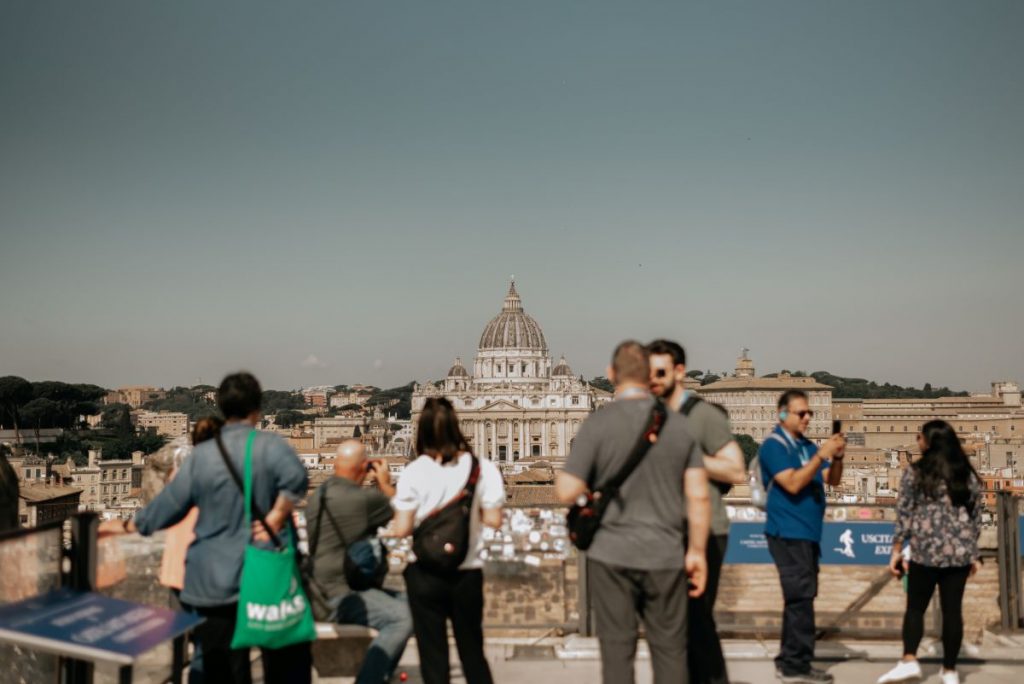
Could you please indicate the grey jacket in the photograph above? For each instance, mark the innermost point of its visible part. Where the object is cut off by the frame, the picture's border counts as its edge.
(213, 563)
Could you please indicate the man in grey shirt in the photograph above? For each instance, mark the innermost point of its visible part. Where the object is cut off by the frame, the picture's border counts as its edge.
(637, 564)
(341, 512)
(725, 466)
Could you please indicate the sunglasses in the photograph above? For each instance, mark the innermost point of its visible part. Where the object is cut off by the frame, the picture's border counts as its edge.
(660, 373)
(804, 414)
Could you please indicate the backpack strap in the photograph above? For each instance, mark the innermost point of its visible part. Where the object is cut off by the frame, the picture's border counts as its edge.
(691, 401)
(643, 443)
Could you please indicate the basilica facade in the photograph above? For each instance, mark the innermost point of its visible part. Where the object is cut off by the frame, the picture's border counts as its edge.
(515, 404)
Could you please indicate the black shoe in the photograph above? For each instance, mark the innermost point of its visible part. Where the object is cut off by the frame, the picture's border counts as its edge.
(812, 676)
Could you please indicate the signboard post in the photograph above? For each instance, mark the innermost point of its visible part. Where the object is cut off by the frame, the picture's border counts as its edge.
(842, 543)
(87, 626)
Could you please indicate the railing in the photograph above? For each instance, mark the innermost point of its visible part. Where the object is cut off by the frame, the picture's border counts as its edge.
(536, 582)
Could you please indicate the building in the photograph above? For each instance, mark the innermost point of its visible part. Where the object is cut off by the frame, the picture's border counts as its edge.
(752, 402)
(104, 483)
(886, 423)
(134, 395)
(168, 423)
(39, 504)
(515, 404)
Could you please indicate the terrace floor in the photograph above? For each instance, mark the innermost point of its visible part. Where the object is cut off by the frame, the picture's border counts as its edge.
(574, 659)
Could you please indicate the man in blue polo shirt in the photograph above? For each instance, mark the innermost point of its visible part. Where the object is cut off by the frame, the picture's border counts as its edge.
(795, 472)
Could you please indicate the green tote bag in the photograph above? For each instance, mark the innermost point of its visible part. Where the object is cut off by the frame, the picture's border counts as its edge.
(273, 611)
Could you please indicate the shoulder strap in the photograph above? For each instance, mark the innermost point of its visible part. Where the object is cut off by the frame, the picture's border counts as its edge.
(319, 519)
(643, 443)
(468, 490)
(688, 405)
(250, 507)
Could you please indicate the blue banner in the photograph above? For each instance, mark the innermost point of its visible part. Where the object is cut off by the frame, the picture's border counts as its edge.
(90, 626)
(842, 543)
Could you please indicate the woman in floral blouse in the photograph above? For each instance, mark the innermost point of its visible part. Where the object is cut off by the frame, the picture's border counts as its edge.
(939, 518)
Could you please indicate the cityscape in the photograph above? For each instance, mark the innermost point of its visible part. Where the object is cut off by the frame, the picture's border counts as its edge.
(588, 341)
(517, 407)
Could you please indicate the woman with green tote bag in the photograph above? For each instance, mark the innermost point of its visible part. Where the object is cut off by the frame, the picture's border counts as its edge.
(214, 584)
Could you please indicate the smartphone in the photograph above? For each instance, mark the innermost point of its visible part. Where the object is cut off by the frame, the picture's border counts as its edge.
(837, 427)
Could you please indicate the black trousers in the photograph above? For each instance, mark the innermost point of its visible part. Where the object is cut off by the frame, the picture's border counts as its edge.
(921, 582)
(705, 659)
(797, 563)
(622, 595)
(435, 599)
(225, 665)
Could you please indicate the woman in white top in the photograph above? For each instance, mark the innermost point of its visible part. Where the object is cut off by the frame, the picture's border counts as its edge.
(436, 477)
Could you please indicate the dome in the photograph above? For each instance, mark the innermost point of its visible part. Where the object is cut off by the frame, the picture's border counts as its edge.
(562, 368)
(512, 328)
(458, 370)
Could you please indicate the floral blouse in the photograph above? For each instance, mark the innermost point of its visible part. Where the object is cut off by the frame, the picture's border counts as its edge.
(940, 535)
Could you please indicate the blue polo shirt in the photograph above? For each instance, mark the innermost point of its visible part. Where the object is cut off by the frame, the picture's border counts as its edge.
(792, 516)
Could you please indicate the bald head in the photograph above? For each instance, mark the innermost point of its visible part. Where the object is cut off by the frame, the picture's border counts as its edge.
(350, 461)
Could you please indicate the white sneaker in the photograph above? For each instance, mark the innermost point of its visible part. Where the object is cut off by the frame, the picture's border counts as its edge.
(905, 671)
(950, 677)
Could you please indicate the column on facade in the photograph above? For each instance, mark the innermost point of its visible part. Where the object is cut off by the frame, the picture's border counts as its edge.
(494, 440)
(561, 438)
(511, 442)
(524, 449)
(544, 439)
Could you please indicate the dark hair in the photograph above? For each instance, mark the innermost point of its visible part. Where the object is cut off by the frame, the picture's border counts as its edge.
(438, 433)
(206, 428)
(944, 467)
(790, 395)
(630, 362)
(674, 349)
(239, 395)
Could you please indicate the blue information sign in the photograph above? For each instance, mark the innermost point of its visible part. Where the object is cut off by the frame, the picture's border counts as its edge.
(842, 543)
(90, 626)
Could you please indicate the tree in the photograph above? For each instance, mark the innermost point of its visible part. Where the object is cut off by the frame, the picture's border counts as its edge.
(15, 392)
(709, 378)
(289, 418)
(694, 373)
(277, 400)
(749, 447)
(118, 419)
(602, 383)
(40, 413)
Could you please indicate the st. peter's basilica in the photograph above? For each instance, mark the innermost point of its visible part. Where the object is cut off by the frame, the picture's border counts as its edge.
(514, 405)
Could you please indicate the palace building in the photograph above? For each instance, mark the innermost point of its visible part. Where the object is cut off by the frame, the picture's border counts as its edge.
(515, 404)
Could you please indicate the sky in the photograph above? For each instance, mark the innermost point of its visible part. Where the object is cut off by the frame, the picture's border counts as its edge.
(338, 192)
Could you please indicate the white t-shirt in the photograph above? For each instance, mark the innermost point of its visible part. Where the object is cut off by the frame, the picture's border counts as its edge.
(426, 485)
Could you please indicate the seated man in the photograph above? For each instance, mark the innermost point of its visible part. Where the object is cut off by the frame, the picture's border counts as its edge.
(351, 513)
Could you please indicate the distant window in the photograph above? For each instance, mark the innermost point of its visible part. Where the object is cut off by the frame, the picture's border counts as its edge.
(522, 369)
(575, 401)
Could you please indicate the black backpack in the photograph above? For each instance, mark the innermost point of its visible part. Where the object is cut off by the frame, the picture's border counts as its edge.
(441, 542)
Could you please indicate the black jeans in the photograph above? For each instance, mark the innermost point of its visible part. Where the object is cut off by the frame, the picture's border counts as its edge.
(797, 562)
(921, 581)
(658, 597)
(435, 599)
(705, 659)
(225, 665)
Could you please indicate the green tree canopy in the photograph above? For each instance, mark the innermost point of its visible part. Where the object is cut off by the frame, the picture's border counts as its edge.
(15, 392)
(602, 383)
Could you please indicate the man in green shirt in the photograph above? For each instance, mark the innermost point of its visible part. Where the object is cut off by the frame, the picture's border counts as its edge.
(352, 512)
(725, 466)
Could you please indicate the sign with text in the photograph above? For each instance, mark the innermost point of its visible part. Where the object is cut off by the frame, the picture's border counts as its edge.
(90, 626)
(842, 543)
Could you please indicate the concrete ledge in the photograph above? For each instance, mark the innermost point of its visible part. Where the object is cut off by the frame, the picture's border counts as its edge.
(339, 650)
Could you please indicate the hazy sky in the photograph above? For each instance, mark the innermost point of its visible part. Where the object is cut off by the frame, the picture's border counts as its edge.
(328, 192)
